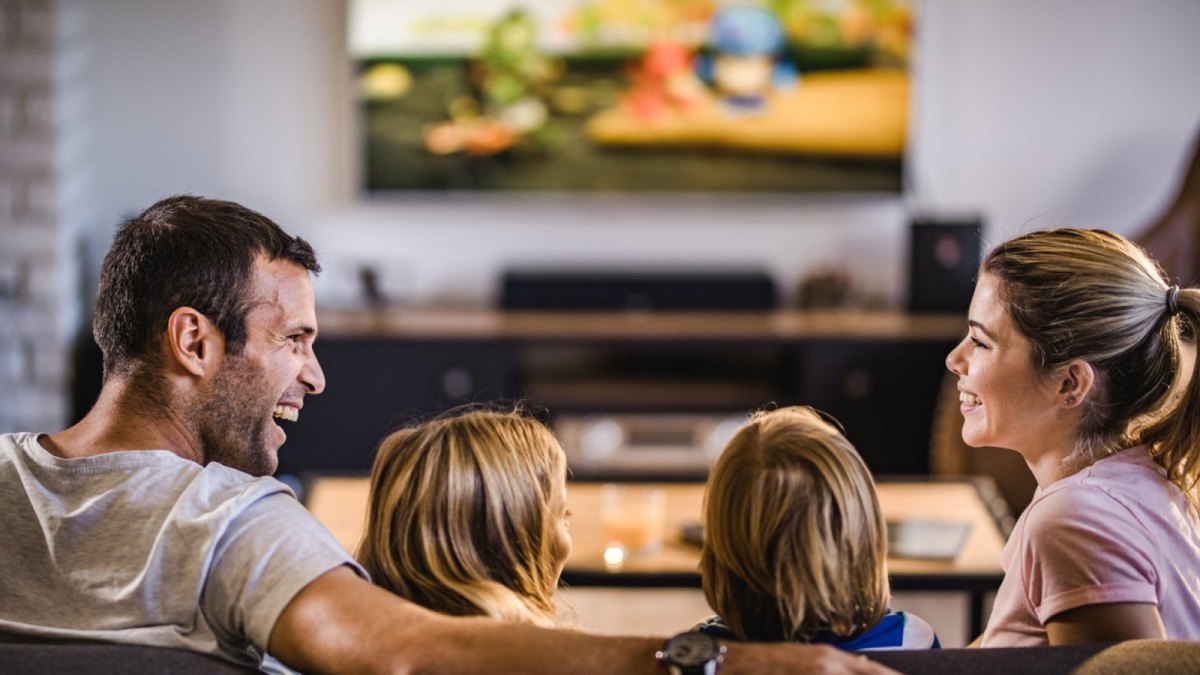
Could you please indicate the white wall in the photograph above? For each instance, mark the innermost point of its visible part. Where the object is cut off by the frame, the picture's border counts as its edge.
(216, 97)
(1077, 113)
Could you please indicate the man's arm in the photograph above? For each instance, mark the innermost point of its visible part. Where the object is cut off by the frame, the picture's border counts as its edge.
(341, 623)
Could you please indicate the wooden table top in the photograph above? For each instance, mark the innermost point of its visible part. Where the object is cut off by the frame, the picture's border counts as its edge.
(340, 504)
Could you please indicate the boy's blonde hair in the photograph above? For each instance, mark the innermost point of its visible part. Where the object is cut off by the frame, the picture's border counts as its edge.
(459, 518)
(794, 543)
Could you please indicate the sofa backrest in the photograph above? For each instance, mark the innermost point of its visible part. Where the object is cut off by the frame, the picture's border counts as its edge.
(54, 658)
(993, 661)
(1144, 657)
(1157, 657)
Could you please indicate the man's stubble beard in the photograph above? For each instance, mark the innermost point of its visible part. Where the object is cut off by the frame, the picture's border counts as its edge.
(231, 421)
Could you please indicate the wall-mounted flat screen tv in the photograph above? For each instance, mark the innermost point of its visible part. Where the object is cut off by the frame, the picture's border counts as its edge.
(632, 95)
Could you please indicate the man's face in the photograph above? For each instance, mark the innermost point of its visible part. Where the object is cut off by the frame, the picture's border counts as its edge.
(239, 409)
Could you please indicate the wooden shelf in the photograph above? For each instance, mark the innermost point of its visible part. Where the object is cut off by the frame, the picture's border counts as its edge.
(448, 324)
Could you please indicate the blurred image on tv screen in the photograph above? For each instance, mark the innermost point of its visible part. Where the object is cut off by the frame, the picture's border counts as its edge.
(632, 95)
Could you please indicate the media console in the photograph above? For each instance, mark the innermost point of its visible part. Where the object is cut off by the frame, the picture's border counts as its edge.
(877, 372)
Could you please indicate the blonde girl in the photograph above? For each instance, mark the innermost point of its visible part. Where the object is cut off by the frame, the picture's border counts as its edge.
(467, 516)
(795, 546)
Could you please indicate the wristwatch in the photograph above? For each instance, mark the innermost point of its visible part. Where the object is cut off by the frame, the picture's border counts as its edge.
(691, 653)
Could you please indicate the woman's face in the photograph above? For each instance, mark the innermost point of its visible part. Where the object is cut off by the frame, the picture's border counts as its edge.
(1005, 402)
(560, 540)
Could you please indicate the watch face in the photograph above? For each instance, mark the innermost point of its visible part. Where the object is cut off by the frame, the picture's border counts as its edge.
(691, 649)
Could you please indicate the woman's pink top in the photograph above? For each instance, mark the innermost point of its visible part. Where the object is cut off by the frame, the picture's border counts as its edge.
(1117, 531)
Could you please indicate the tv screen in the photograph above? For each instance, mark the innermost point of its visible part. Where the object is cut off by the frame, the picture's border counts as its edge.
(632, 95)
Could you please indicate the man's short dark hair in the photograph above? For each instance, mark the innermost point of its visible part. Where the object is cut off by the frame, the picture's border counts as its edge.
(183, 251)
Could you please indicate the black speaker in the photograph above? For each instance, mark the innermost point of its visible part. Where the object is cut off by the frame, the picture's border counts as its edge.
(943, 264)
(639, 291)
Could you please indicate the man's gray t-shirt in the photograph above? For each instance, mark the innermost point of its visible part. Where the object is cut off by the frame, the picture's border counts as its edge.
(146, 547)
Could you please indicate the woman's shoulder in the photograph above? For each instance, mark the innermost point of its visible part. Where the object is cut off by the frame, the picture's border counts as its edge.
(1131, 466)
(1074, 505)
(1102, 501)
(1127, 477)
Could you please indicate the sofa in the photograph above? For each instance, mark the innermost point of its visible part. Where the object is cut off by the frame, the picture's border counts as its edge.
(1144, 657)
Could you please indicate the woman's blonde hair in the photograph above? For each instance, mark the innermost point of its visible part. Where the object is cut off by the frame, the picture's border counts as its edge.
(1095, 296)
(794, 542)
(460, 516)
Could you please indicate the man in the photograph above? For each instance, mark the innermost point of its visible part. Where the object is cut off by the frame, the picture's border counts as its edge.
(154, 519)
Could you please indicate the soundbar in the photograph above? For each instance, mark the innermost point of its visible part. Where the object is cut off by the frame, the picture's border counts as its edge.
(553, 290)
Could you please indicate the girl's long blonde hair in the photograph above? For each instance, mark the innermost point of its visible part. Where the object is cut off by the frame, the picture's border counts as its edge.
(460, 519)
(795, 543)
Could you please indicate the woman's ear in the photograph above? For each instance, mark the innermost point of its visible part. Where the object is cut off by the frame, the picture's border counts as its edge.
(193, 342)
(1076, 380)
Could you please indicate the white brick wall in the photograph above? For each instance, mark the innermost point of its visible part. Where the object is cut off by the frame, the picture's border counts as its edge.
(34, 366)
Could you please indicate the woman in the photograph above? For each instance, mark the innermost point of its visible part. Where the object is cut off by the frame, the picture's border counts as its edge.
(1074, 358)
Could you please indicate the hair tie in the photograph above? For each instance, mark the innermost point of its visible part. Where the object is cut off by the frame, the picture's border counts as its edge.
(1173, 300)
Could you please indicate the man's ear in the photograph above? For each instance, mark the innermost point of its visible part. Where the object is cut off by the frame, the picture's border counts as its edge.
(1076, 380)
(193, 341)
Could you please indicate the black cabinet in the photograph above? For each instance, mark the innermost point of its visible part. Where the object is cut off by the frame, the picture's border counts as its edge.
(877, 373)
(375, 385)
(883, 393)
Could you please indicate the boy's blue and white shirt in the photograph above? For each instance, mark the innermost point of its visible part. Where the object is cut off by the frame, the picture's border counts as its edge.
(897, 630)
